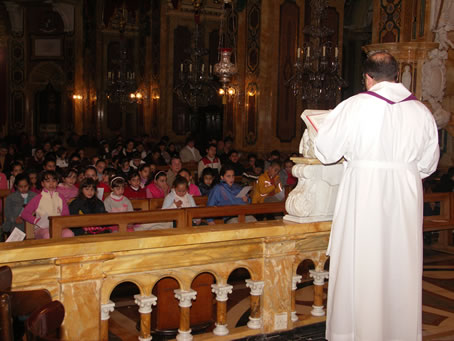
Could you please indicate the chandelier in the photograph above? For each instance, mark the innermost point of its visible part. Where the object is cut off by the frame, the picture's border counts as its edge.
(121, 79)
(225, 69)
(316, 71)
(196, 86)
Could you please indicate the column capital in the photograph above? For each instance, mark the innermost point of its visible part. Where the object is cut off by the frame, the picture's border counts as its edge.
(295, 280)
(106, 309)
(145, 303)
(221, 291)
(185, 297)
(255, 286)
(319, 276)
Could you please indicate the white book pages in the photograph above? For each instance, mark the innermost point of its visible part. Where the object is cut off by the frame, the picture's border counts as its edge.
(314, 119)
(16, 236)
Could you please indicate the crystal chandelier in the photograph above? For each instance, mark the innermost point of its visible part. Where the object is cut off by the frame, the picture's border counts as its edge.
(316, 71)
(196, 86)
(121, 80)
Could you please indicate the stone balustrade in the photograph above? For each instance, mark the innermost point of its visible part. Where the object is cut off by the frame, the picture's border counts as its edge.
(82, 272)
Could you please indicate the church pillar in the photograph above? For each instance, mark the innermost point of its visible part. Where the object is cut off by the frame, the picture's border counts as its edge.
(185, 297)
(319, 281)
(106, 309)
(221, 291)
(145, 303)
(295, 280)
(255, 320)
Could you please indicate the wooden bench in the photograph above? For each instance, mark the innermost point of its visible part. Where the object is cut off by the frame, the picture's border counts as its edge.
(3, 194)
(442, 222)
(182, 217)
(156, 203)
(240, 211)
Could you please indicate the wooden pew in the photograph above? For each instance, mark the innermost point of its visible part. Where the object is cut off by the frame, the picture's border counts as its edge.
(122, 219)
(182, 217)
(3, 194)
(240, 211)
(139, 205)
(443, 222)
(156, 203)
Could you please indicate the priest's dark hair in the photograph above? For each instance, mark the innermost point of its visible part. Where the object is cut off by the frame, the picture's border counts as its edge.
(381, 66)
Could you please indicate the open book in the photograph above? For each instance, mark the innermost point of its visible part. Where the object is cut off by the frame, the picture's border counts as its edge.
(313, 119)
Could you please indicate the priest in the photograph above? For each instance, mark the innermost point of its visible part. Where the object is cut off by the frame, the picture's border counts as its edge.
(389, 142)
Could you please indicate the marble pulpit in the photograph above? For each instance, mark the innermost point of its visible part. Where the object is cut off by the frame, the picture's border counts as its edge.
(314, 198)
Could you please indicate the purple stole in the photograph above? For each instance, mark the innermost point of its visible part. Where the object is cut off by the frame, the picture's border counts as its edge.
(409, 98)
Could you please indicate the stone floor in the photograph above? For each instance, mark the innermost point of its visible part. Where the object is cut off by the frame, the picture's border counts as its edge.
(315, 332)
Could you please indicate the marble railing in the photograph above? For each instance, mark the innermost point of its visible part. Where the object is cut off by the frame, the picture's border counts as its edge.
(82, 272)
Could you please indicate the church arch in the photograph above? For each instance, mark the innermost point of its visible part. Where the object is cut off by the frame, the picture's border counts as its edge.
(304, 267)
(110, 286)
(239, 271)
(207, 271)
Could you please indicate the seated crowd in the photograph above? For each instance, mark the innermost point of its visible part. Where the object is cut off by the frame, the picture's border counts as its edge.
(45, 181)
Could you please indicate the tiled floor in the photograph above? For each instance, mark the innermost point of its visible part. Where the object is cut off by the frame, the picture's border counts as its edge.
(438, 307)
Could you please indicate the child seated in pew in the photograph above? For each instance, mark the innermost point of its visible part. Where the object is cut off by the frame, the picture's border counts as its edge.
(268, 187)
(287, 178)
(15, 203)
(33, 176)
(107, 174)
(225, 194)
(116, 201)
(47, 204)
(179, 196)
(133, 190)
(193, 189)
(252, 175)
(87, 203)
(144, 171)
(159, 187)
(66, 187)
(207, 181)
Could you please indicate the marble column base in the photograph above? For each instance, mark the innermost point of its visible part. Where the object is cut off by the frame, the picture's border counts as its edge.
(254, 323)
(145, 339)
(294, 317)
(220, 330)
(318, 310)
(184, 335)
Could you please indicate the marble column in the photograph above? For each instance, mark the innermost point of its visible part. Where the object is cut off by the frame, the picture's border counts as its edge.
(185, 297)
(221, 291)
(295, 280)
(145, 303)
(106, 309)
(255, 320)
(319, 281)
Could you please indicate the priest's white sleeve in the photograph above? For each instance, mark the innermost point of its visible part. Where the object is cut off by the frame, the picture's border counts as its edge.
(428, 162)
(331, 142)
